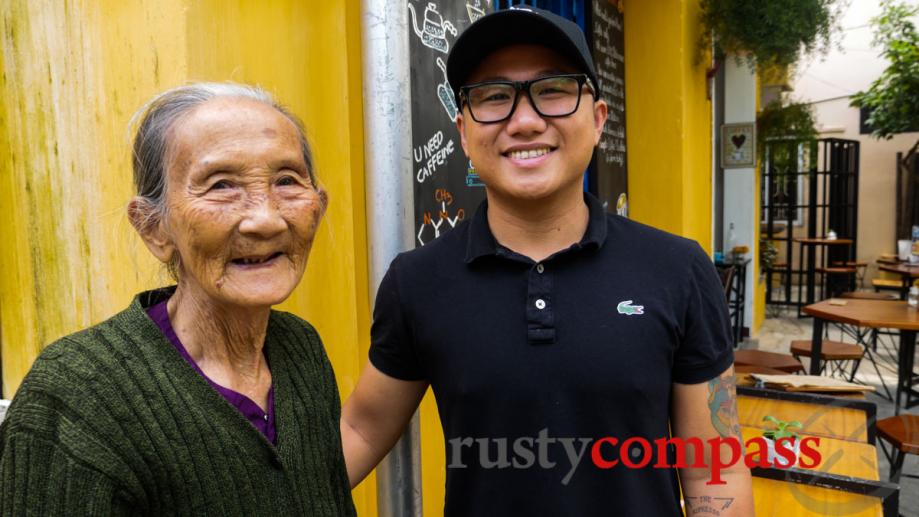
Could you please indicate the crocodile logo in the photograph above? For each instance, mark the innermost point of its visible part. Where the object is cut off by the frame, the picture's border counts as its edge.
(628, 309)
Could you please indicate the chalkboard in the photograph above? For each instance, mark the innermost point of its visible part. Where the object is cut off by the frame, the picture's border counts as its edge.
(447, 190)
(608, 46)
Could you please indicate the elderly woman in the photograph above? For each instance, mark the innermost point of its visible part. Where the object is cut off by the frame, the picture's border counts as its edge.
(198, 398)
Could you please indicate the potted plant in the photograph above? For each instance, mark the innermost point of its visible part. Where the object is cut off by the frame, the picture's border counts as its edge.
(770, 34)
(789, 439)
(768, 253)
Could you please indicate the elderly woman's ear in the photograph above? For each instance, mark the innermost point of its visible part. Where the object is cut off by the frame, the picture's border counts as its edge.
(147, 220)
(323, 200)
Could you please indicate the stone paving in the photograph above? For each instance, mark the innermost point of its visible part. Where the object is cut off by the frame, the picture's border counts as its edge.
(776, 335)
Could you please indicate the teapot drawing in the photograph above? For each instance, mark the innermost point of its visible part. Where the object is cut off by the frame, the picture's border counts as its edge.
(434, 28)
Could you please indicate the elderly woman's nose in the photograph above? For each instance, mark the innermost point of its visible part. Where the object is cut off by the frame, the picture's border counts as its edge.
(262, 217)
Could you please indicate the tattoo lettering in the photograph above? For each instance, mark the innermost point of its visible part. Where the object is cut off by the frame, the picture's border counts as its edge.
(722, 405)
(706, 505)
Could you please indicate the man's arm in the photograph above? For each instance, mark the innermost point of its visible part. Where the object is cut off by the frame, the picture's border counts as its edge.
(374, 417)
(708, 411)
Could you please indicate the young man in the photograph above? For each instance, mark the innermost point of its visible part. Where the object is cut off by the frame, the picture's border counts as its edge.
(550, 331)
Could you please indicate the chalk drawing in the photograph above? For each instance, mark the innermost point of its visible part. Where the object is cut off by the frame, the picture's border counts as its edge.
(475, 11)
(472, 177)
(434, 29)
(445, 198)
(445, 93)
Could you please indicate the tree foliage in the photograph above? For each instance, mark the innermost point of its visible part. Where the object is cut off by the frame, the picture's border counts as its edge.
(794, 121)
(771, 33)
(893, 98)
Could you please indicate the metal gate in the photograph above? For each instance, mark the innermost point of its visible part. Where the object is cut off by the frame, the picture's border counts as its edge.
(809, 190)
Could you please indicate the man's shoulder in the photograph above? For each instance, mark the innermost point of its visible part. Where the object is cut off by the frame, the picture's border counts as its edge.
(643, 238)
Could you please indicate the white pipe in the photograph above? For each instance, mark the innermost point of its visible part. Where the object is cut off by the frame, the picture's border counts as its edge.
(390, 206)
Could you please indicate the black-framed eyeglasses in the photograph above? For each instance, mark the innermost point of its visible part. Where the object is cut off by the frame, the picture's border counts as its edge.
(551, 96)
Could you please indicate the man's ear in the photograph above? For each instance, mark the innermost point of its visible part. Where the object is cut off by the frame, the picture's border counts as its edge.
(461, 127)
(601, 111)
(149, 225)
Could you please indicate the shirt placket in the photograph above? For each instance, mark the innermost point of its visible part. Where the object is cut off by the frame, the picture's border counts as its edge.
(540, 306)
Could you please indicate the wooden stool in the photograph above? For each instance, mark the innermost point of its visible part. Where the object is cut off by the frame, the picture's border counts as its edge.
(860, 269)
(902, 432)
(783, 362)
(887, 285)
(830, 351)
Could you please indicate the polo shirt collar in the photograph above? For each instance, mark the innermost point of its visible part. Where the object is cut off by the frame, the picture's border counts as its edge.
(481, 242)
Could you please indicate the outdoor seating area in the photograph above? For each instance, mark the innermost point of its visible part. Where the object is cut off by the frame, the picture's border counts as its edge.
(864, 337)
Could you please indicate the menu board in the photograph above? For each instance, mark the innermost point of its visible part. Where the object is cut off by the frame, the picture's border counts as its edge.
(608, 46)
(446, 188)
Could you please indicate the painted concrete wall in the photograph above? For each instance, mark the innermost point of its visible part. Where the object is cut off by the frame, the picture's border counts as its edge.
(668, 120)
(74, 72)
(741, 185)
(876, 182)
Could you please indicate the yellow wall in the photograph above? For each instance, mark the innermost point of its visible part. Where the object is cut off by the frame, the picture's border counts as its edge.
(75, 71)
(668, 119)
(759, 283)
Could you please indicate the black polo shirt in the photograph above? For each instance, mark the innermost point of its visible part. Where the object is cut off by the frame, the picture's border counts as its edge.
(532, 363)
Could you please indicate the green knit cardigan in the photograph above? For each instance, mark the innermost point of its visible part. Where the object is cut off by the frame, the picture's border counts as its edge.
(112, 420)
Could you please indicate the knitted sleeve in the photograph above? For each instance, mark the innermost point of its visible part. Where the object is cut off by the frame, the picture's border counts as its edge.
(37, 477)
(56, 450)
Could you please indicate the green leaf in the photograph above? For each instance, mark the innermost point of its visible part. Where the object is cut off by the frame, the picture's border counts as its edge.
(893, 98)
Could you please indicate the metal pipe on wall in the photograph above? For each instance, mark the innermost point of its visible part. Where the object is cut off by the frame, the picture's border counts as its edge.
(390, 206)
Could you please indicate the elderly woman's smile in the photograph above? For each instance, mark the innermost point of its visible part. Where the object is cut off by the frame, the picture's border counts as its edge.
(241, 206)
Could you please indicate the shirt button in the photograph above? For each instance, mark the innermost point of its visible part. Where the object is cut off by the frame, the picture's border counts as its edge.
(540, 304)
(540, 268)
(266, 418)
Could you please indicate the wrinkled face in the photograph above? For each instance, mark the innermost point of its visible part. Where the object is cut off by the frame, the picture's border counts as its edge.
(241, 209)
(530, 157)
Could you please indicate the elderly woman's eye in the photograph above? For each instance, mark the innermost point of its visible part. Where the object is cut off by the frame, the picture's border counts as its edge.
(220, 185)
(286, 181)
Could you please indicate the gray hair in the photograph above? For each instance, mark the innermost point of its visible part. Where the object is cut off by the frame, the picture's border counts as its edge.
(155, 119)
(154, 122)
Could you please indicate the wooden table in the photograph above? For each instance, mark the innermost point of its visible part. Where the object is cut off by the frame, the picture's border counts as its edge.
(810, 244)
(907, 273)
(847, 479)
(874, 314)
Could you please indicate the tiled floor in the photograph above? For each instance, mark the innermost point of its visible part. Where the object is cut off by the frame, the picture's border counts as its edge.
(775, 336)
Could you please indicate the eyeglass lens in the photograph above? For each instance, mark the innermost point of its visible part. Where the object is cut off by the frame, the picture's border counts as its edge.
(552, 96)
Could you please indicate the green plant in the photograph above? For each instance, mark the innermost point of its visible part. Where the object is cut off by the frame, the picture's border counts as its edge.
(784, 127)
(782, 428)
(792, 121)
(770, 33)
(767, 253)
(893, 98)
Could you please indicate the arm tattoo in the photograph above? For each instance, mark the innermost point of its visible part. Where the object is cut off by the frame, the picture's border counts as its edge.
(722, 405)
(706, 505)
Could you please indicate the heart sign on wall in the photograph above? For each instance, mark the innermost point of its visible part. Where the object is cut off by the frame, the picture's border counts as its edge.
(738, 140)
(738, 145)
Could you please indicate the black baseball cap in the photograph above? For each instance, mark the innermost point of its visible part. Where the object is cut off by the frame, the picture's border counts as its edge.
(521, 24)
